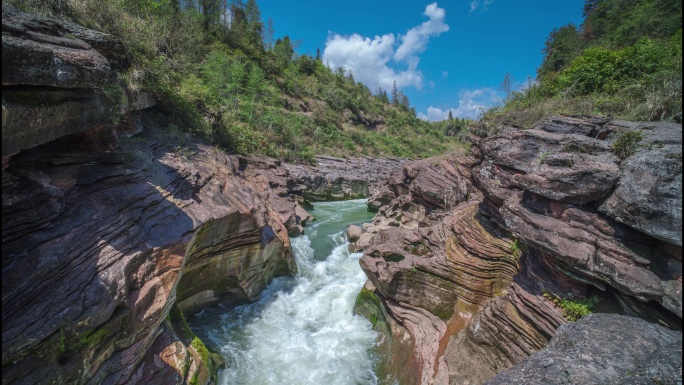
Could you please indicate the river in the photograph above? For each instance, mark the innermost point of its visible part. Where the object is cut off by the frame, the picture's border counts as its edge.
(302, 330)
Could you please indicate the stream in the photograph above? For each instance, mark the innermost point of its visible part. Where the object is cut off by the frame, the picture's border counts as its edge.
(302, 330)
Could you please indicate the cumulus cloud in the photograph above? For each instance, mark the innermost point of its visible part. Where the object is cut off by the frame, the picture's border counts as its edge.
(471, 104)
(370, 59)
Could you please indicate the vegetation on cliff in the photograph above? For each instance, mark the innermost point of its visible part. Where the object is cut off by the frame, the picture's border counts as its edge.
(624, 60)
(218, 73)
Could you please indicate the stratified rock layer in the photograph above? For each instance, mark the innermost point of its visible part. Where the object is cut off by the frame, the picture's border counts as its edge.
(337, 179)
(473, 263)
(94, 246)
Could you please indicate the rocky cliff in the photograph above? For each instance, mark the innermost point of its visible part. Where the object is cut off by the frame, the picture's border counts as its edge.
(339, 179)
(481, 259)
(108, 239)
(116, 227)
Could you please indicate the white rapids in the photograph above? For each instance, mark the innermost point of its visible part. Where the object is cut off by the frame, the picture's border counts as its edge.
(302, 330)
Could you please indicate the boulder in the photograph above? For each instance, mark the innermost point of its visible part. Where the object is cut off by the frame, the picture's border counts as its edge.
(603, 349)
(648, 196)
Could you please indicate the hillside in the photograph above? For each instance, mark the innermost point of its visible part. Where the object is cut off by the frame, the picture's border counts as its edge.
(624, 61)
(225, 80)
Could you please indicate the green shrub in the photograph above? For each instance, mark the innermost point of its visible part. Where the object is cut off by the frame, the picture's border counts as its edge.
(573, 310)
(627, 143)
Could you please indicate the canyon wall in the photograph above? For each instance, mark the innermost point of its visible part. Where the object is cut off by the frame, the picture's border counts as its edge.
(478, 258)
(113, 225)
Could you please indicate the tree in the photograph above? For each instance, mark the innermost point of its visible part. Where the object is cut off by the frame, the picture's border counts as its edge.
(506, 84)
(404, 102)
(283, 52)
(268, 34)
(451, 116)
(318, 54)
(589, 7)
(561, 47)
(395, 94)
(254, 25)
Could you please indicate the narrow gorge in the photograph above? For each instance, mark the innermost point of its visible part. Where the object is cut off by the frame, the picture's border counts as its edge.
(136, 253)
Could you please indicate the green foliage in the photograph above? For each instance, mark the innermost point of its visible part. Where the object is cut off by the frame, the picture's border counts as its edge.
(573, 310)
(625, 60)
(561, 47)
(627, 143)
(222, 81)
(515, 247)
(620, 23)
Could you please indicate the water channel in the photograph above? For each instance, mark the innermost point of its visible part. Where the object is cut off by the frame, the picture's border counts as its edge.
(302, 330)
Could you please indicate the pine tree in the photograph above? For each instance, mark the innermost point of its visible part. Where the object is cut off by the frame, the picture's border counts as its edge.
(318, 54)
(451, 116)
(395, 94)
(283, 52)
(254, 25)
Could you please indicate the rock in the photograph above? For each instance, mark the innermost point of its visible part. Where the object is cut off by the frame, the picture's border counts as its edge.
(338, 179)
(648, 196)
(382, 198)
(564, 167)
(34, 117)
(533, 223)
(353, 233)
(595, 249)
(54, 76)
(30, 42)
(94, 249)
(270, 179)
(603, 349)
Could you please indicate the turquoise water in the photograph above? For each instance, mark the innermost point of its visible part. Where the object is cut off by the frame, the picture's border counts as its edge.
(302, 330)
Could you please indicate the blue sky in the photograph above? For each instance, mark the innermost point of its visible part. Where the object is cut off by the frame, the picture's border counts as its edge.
(448, 55)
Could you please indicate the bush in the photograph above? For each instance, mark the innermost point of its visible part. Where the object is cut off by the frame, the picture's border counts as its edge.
(573, 310)
(627, 143)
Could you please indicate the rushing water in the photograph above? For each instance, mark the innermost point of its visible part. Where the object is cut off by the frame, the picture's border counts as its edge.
(302, 330)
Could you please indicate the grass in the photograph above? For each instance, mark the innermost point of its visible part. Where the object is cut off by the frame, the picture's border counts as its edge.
(516, 248)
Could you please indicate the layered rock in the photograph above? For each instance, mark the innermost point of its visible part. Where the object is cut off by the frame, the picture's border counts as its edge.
(338, 179)
(52, 79)
(475, 276)
(108, 239)
(107, 234)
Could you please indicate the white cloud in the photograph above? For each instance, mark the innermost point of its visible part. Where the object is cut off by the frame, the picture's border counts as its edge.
(471, 103)
(369, 59)
(416, 39)
(475, 4)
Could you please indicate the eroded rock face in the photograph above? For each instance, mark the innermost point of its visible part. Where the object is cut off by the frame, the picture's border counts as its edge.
(52, 79)
(471, 276)
(603, 349)
(94, 246)
(58, 79)
(648, 194)
(338, 179)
